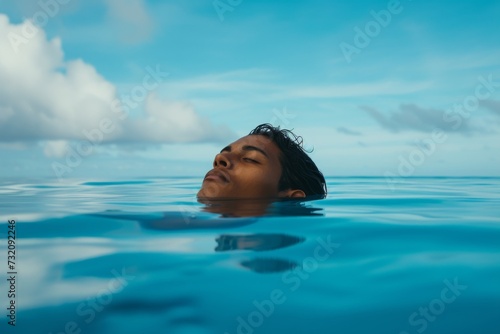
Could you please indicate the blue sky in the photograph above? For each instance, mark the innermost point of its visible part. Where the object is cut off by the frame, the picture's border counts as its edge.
(101, 89)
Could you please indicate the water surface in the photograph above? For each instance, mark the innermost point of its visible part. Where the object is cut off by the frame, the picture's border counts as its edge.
(115, 256)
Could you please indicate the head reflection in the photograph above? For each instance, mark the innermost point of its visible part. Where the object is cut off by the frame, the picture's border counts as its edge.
(232, 208)
(269, 266)
(255, 242)
(259, 242)
(236, 207)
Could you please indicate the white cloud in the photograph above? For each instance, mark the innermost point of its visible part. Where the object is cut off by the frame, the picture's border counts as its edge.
(45, 97)
(55, 148)
(170, 121)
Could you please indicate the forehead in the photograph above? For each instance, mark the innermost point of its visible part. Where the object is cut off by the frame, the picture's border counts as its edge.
(264, 143)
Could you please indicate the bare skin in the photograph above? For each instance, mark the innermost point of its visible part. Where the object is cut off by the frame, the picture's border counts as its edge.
(247, 168)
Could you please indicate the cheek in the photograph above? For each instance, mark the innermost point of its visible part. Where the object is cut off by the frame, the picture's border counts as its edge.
(260, 181)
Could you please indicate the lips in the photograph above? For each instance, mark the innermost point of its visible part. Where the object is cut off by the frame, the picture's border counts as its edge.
(217, 174)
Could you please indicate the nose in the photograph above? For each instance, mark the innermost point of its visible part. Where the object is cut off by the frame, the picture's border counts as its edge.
(221, 160)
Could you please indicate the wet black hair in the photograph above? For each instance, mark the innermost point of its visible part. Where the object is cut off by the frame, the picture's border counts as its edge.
(298, 169)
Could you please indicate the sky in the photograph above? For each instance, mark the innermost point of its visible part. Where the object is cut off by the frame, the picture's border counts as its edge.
(148, 88)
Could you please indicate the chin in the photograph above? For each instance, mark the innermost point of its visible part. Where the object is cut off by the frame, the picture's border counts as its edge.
(201, 193)
(205, 193)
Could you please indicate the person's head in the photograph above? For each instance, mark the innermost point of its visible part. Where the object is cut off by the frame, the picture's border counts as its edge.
(268, 163)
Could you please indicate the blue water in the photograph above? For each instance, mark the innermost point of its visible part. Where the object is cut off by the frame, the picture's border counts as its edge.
(143, 256)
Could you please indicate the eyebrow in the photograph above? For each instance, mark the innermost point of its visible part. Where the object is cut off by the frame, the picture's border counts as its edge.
(246, 148)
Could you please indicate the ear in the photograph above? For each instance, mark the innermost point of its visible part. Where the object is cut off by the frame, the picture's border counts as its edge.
(293, 193)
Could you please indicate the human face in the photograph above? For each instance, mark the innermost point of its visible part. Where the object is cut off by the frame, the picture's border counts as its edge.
(248, 168)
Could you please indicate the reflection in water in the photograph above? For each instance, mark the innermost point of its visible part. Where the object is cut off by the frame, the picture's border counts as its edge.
(179, 221)
(232, 213)
(255, 242)
(259, 242)
(259, 207)
(265, 266)
(236, 207)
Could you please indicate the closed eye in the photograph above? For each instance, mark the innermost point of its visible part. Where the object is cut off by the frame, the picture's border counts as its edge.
(251, 160)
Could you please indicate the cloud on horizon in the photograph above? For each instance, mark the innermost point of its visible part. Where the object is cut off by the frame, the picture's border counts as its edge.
(44, 97)
(492, 105)
(414, 117)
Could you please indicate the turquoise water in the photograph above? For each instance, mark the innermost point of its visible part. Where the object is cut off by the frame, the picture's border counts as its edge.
(143, 256)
